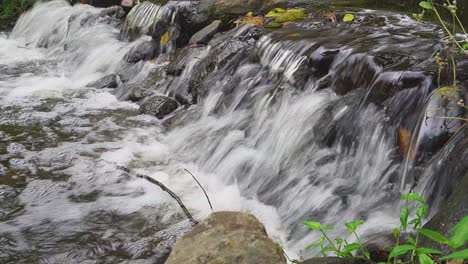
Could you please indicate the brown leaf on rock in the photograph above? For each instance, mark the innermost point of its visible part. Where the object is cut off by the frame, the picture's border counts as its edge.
(330, 15)
(404, 140)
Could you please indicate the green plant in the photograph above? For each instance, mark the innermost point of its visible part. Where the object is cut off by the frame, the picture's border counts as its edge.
(452, 99)
(411, 216)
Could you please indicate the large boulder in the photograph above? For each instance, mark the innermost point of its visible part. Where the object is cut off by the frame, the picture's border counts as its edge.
(108, 81)
(227, 238)
(158, 106)
(146, 50)
(336, 260)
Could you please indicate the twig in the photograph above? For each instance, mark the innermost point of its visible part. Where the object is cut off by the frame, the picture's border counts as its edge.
(164, 188)
(208, 198)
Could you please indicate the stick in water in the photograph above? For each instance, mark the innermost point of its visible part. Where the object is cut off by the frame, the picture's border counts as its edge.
(208, 198)
(164, 188)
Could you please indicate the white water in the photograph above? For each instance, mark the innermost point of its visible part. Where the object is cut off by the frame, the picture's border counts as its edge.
(252, 152)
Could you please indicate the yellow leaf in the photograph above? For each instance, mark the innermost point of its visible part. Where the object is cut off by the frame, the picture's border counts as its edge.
(165, 39)
(348, 18)
(275, 12)
(273, 25)
(290, 16)
(249, 14)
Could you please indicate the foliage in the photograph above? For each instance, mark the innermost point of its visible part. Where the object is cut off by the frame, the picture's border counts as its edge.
(450, 94)
(411, 217)
(11, 9)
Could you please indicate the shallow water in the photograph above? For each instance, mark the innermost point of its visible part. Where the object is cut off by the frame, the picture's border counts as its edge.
(262, 139)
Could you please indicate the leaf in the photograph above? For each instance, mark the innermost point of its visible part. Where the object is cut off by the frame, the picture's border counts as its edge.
(353, 225)
(459, 233)
(400, 250)
(433, 235)
(414, 197)
(313, 245)
(462, 254)
(428, 251)
(275, 12)
(404, 140)
(328, 227)
(348, 18)
(273, 25)
(330, 15)
(251, 20)
(404, 217)
(339, 240)
(411, 240)
(421, 211)
(425, 259)
(351, 247)
(465, 46)
(313, 225)
(164, 38)
(325, 249)
(425, 5)
(396, 232)
(249, 14)
(290, 15)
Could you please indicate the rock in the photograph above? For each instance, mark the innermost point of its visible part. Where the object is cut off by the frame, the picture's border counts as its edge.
(3, 170)
(158, 106)
(204, 35)
(108, 81)
(16, 148)
(147, 50)
(337, 260)
(228, 238)
(226, 9)
(451, 211)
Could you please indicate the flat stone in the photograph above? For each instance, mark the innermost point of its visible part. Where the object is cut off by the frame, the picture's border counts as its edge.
(158, 106)
(204, 35)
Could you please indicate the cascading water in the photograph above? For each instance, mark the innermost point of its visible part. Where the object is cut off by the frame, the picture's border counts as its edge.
(290, 130)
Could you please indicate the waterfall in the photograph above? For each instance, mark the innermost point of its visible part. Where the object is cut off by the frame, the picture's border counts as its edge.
(289, 126)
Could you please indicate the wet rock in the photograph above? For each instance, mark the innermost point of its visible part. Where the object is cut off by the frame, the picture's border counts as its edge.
(204, 35)
(336, 260)
(3, 170)
(108, 81)
(16, 148)
(147, 50)
(451, 211)
(358, 71)
(158, 106)
(227, 237)
(225, 9)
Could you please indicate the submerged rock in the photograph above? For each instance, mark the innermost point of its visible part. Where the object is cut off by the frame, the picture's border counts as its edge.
(158, 106)
(108, 81)
(229, 238)
(204, 35)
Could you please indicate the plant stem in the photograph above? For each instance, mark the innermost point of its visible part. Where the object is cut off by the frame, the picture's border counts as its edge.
(329, 241)
(446, 29)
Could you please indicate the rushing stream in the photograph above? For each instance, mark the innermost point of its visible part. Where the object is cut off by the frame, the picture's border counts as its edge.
(281, 130)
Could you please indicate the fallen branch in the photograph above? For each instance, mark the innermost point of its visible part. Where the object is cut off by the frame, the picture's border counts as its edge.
(164, 188)
(208, 198)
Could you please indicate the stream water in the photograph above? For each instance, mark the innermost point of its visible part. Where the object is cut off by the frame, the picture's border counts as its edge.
(281, 131)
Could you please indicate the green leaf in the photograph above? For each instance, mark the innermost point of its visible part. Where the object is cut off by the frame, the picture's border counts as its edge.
(414, 197)
(421, 211)
(313, 245)
(352, 226)
(425, 259)
(275, 12)
(411, 240)
(404, 217)
(400, 250)
(459, 233)
(427, 251)
(313, 225)
(425, 5)
(465, 46)
(290, 15)
(351, 247)
(273, 25)
(462, 254)
(348, 18)
(339, 240)
(435, 236)
(328, 227)
(396, 232)
(325, 249)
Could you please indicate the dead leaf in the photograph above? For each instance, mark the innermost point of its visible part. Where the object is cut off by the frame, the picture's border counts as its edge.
(165, 39)
(404, 140)
(330, 15)
(254, 21)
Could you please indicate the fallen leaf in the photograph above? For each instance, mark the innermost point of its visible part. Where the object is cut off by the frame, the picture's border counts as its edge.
(348, 18)
(165, 39)
(330, 15)
(273, 25)
(404, 140)
(275, 12)
(247, 20)
(290, 15)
